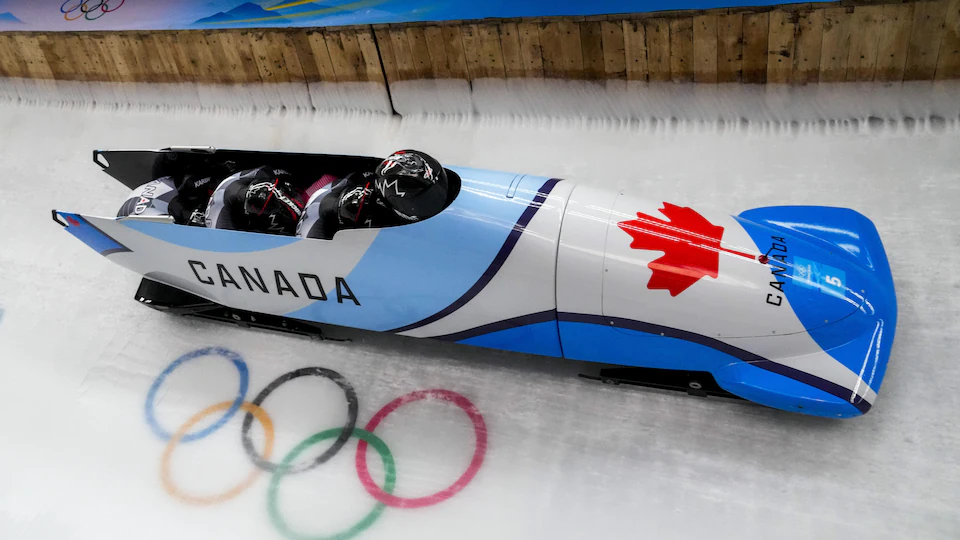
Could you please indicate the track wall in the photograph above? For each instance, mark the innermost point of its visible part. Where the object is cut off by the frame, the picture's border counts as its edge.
(789, 44)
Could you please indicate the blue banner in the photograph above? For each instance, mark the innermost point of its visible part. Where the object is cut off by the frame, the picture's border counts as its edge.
(79, 15)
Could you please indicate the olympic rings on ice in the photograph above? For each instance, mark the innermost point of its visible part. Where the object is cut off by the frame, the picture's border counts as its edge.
(254, 409)
(352, 408)
(152, 394)
(365, 437)
(101, 8)
(479, 430)
(174, 491)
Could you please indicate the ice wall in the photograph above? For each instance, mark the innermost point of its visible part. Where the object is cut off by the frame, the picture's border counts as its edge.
(866, 106)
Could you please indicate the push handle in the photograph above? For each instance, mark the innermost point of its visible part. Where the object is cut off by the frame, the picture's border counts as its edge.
(100, 160)
(56, 218)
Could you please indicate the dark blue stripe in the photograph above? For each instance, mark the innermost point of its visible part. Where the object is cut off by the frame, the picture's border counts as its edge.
(91, 235)
(497, 262)
(120, 247)
(515, 322)
(746, 356)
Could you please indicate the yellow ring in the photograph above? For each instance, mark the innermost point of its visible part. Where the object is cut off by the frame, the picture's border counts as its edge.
(166, 479)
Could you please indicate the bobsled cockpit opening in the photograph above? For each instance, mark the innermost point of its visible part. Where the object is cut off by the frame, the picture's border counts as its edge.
(182, 184)
(349, 205)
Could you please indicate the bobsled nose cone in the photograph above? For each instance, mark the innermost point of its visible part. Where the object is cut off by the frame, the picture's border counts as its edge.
(839, 285)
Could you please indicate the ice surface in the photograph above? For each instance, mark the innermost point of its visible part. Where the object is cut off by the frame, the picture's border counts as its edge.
(566, 459)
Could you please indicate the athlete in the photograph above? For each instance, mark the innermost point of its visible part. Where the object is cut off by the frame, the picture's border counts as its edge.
(194, 190)
(183, 196)
(411, 185)
(406, 187)
(257, 200)
(151, 199)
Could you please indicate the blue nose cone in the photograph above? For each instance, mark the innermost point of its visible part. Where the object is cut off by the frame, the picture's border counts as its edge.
(836, 277)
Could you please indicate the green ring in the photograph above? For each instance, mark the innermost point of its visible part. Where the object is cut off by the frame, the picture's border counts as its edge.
(284, 466)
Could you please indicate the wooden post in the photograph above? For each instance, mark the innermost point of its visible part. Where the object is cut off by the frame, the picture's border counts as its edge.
(948, 61)
(780, 47)
(657, 32)
(755, 33)
(730, 48)
(808, 43)
(924, 45)
(705, 37)
(681, 49)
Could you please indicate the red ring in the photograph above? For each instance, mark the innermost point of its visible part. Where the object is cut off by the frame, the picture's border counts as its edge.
(479, 429)
(105, 4)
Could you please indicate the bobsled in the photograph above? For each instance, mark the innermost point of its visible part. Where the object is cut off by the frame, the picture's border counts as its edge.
(792, 307)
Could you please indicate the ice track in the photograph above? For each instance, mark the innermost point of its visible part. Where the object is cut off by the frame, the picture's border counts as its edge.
(564, 459)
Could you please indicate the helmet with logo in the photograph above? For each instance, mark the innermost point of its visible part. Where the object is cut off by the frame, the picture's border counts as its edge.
(356, 206)
(272, 204)
(412, 184)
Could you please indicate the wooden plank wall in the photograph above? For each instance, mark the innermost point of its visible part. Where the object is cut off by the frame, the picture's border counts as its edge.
(792, 44)
(346, 54)
(874, 40)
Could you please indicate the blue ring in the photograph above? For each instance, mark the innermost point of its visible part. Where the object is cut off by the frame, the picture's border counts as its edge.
(152, 394)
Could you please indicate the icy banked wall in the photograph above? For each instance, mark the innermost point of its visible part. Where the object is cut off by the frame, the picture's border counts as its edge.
(864, 106)
(672, 103)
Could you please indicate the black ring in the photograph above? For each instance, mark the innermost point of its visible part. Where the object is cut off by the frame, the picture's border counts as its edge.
(352, 411)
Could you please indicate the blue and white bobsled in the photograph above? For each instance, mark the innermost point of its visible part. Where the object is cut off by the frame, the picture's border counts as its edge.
(792, 307)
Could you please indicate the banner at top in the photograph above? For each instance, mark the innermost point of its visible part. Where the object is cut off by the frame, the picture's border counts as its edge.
(79, 15)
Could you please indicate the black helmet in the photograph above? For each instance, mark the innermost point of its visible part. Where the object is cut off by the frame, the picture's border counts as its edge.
(413, 185)
(356, 206)
(272, 204)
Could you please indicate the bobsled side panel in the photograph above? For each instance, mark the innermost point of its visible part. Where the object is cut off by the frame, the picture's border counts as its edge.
(416, 274)
(518, 286)
(253, 272)
(605, 340)
(770, 388)
(538, 338)
(413, 275)
(679, 267)
(580, 253)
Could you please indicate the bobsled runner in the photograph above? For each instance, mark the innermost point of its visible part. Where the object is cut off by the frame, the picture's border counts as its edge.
(792, 307)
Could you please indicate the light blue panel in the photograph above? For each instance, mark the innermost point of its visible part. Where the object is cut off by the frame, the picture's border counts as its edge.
(540, 338)
(215, 240)
(411, 272)
(621, 346)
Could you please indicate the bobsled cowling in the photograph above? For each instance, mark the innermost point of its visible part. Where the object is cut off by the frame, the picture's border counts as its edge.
(778, 316)
(790, 307)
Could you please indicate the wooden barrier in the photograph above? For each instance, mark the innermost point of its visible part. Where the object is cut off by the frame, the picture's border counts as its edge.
(793, 44)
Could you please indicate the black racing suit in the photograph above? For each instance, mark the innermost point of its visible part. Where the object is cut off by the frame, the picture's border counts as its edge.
(193, 191)
(352, 203)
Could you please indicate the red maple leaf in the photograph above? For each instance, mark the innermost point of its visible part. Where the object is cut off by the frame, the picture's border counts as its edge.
(73, 221)
(690, 243)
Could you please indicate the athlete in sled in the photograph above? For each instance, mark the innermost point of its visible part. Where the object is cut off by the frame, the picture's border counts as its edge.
(792, 307)
(407, 186)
